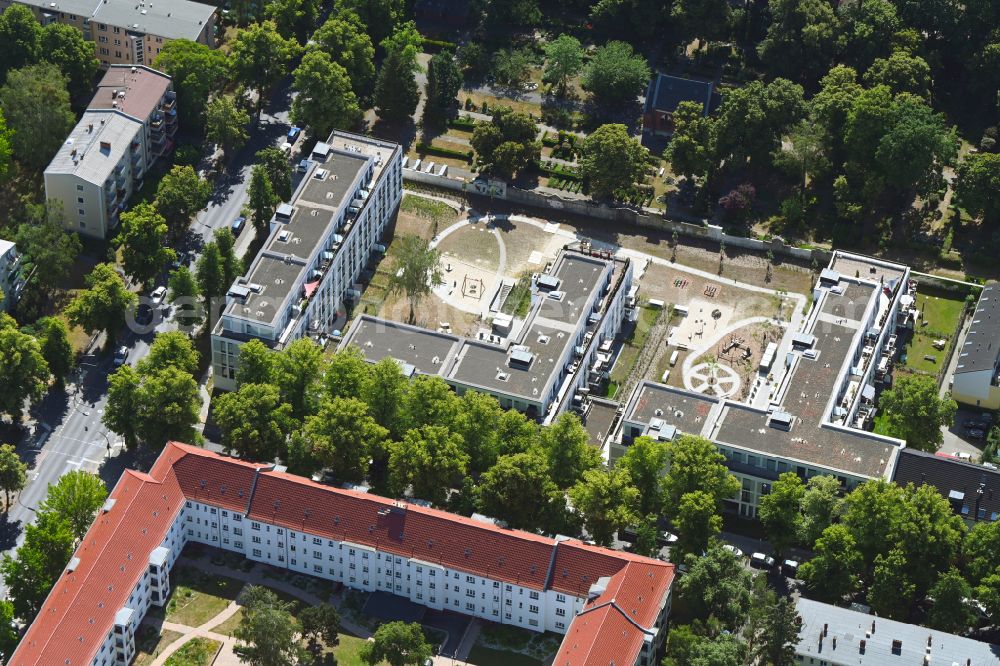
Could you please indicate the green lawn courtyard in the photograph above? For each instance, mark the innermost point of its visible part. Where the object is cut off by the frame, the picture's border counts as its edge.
(940, 314)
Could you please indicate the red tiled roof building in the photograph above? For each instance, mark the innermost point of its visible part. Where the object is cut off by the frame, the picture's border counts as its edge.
(612, 606)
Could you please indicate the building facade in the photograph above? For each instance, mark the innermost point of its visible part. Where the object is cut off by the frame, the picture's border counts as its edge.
(976, 380)
(129, 124)
(318, 246)
(125, 32)
(600, 599)
(11, 278)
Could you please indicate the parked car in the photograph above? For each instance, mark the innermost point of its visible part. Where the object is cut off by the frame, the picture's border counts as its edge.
(761, 561)
(144, 314)
(665, 538)
(293, 133)
(734, 550)
(238, 225)
(158, 294)
(976, 433)
(790, 568)
(121, 355)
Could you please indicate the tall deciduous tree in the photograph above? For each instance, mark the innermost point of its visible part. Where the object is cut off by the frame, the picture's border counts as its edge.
(39, 129)
(611, 160)
(690, 149)
(295, 19)
(646, 461)
(430, 401)
(143, 242)
(901, 72)
(266, 634)
(347, 374)
(977, 185)
(197, 71)
(697, 520)
(380, 17)
(326, 99)
(506, 144)
(430, 459)
(13, 473)
(341, 437)
(102, 305)
(833, 571)
(418, 270)
(398, 643)
(892, 591)
(717, 584)
(344, 38)
(982, 551)
(256, 364)
(566, 446)
(780, 511)
(170, 349)
(821, 504)
(20, 38)
(65, 47)
(24, 374)
(259, 57)
(226, 124)
(914, 411)
(478, 422)
(254, 422)
(396, 92)
(210, 273)
(753, 119)
(77, 496)
(563, 61)
(47, 245)
(53, 339)
(515, 489)
(278, 169)
(263, 201)
(320, 622)
(179, 195)
(608, 501)
(443, 83)
(801, 40)
(951, 612)
(615, 75)
(385, 394)
(297, 370)
(695, 464)
(5, 150)
(183, 295)
(41, 559)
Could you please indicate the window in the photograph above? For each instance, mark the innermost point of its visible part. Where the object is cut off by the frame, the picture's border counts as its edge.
(256, 552)
(561, 612)
(470, 606)
(496, 585)
(532, 609)
(470, 579)
(238, 531)
(317, 541)
(560, 625)
(80, 211)
(79, 188)
(561, 598)
(254, 525)
(102, 39)
(256, 539)
(470, 593)
(79, 200)
(534, 595)
(533, 623)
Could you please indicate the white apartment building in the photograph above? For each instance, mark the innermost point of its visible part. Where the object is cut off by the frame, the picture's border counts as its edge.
(129, 124)
(605, 600)
(318, 246)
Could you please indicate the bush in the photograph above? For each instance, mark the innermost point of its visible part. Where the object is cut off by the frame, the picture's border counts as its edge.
(187, 155)
(429, 149)
(462, 122)
(436, 45)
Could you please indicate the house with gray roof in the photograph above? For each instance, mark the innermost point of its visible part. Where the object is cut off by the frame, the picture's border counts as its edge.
(977, 371)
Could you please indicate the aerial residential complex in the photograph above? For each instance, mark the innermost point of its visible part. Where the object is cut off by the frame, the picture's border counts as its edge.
(126, 31)
(128, 125)
(977, 374)
(540, 365)
(319, 244)
(611, 606)
(813, 423)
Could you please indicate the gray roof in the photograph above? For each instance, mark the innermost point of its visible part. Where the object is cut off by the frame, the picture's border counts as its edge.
(90, 161)
(171, 19)
(666, 92)
(85, 8)
(686, 410)
(429, 352)
(890, 643)
(973, 490)
(982, 344)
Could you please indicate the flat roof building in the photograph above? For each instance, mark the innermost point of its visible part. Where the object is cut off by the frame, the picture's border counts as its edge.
(600, 599)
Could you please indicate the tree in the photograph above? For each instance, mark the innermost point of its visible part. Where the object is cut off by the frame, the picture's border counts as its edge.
(5, 150)
(753, 119)
(77, 497)
(320, 622)
(341, 437)
(226, 124)
(295, 19)
(646, 461)
(830, 108)
(690, 149)
(901, 72)
(444, 80)
(143, 242)
(982, 551)
(181, 194)
(41, 559)
(511, 68)
(515, 489)
(430, 401)
(821, 504)
(24, 374)
(615, 75)
(9, 636)
(772, 630)
(914, 412)
(478, 422)
(20, 39)
(121, 413)
(567, 450)
(396, 91)
(418, 270)
(379, 17)
(978, 181)
(345, 40)
(801, 40)
(259, 57)
(47, 245)
(701, 644)
(705, 19)
(695, 464)
(833, 571)
(210, 274)
(607, 500)
(13, 473)
(563, 61)
(325, 100)
(398, 643)
(779, 511)
(266, 633)
(53, 338)
(253, 421)
(262, 199)
(297, 369)
(171, 349)
(988, 594)
(197, 71)
(951, 612)
(803, 153)
(697, 521)
(183, 295)
(507, 143)
(347, 374)
(256, 364)
(891, 592)
(869, 30)
(65, 47)
(612, 161)
(39, 129)
(279, 171)
(430, 459)
(152, 407)
(232, 266)
(717, 584)
(385, 394)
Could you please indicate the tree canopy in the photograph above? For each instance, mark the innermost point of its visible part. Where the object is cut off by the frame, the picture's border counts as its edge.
(914, 411)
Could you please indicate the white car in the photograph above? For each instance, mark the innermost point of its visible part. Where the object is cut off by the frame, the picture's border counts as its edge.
(668, 537)
(761, 561)
(158, 295)
(734, 550)
(121, 355)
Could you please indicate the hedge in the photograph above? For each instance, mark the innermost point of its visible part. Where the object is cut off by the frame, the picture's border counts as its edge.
(430, 149)
(435, 45)
(463, 123)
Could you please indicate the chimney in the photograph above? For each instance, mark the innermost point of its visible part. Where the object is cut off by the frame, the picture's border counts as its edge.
(862, 650)
(834, 642)
(873, 626)
(826, 628)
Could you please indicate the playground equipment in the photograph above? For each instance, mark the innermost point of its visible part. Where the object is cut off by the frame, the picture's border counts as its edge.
(736, 342)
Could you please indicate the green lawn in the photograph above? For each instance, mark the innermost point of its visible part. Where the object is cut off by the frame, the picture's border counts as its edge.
(196, 652)
(484, 656)
(634, 344)
(436, 211)
(198, 597)
(518, 301)
(150, 645)
(940, 314)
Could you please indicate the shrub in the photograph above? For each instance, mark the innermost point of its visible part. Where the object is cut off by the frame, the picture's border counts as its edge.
(430, 149)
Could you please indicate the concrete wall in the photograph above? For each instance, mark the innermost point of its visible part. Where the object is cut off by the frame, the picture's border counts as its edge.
(624, 215)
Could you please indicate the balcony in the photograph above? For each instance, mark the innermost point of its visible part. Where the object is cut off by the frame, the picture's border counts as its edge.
(169, 101)
(156, 122)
